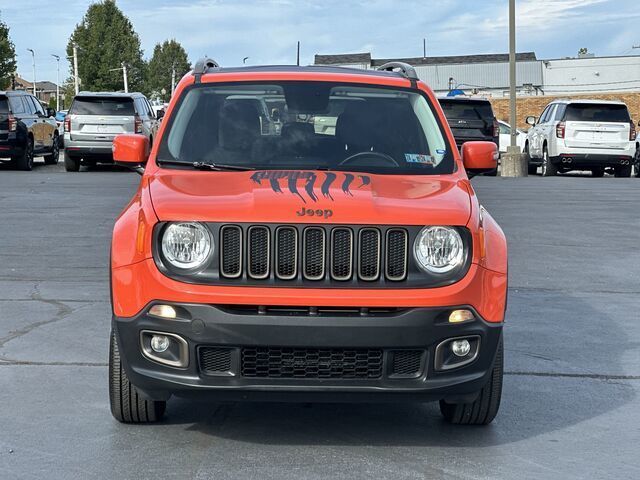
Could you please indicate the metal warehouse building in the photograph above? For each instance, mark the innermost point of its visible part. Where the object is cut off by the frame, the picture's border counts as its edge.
(489, 74)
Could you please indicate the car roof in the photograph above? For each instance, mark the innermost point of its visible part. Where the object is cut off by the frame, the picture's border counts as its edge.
(567, 101)
(307, 69)
(109, 94)
(463, 99)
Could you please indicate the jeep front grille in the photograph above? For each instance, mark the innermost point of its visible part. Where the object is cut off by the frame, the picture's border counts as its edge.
(314, 253)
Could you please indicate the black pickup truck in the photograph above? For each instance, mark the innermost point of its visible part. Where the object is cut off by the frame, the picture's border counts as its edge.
(26, 130)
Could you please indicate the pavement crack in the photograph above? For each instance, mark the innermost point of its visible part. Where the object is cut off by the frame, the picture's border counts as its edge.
(594, 376)
(62, 312)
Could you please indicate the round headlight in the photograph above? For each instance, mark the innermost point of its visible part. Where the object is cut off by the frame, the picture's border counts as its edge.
(439, 249)
(186, 245)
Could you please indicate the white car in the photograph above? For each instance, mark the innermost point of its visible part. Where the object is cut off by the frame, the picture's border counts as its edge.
(505, 137)
(582, 135)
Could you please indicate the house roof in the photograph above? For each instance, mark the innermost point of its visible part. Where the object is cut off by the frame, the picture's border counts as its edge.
(351, 58)
(346, 58)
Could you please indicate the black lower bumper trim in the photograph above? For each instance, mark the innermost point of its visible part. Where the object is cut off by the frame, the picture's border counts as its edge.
(385, 357)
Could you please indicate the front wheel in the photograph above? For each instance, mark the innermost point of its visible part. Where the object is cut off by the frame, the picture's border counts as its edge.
(127, 406)
(484, 409)
(548, 168)
(52, 158)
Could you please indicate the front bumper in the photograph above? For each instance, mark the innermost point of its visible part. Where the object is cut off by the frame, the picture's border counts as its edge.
(416, 329)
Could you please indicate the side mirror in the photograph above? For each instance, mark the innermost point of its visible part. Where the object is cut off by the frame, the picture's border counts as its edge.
(51, 112)
(275, 115)
(131, 151)
(531, 120)
(479, 157)
(160, 114)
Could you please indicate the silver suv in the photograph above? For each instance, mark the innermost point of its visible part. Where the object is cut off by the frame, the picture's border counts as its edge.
(94, 120)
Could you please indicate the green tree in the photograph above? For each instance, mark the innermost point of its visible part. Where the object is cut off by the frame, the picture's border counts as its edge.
(7, 56)
(105, 40)
(166, 57)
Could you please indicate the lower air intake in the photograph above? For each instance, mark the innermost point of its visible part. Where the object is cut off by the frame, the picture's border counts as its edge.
(272, 362)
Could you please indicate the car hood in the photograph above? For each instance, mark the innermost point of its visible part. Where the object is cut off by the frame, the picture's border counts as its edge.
(309, 197)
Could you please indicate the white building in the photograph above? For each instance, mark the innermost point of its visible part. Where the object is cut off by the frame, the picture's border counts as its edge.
(489, 74)
(591, 74)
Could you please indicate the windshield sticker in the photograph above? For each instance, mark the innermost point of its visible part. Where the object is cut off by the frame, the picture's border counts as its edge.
(420, 158)
(274, 177)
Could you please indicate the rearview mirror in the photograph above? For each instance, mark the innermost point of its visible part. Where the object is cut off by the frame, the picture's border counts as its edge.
(479, 157)
(531, 120)
(131, 151)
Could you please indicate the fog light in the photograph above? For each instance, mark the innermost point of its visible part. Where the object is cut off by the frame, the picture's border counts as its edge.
(160, 343)
(460, 348)
(164, 311)
(458, 316)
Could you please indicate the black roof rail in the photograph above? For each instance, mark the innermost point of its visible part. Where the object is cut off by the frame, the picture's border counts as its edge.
(202, 66)
(405, 69)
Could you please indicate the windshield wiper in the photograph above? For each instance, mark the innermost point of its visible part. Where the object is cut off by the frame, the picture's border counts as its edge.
(217, 167)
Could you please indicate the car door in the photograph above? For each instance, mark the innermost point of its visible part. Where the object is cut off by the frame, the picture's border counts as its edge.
(539, 129)
(39, 130)
(31, 120)
(505, 136)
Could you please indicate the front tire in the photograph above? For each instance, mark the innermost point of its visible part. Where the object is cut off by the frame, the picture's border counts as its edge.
(483, 410)
(548, 168)
(531, 169)
(71, 164)
(127, 406)
(52, 158)
(597, 172)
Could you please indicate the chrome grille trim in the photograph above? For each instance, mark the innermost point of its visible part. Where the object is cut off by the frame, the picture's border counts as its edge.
(224, 242)
(334, 275)
(278, 264)
(405, 249)
(252, 262)
(376, 249)
(307, 251)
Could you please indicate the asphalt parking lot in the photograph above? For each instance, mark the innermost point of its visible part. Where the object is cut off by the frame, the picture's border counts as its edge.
(570, 405)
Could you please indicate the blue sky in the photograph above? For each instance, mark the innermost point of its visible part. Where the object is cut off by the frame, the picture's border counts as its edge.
(267, 30)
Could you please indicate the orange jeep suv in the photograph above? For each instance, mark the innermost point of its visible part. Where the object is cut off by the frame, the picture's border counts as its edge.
(340, 254)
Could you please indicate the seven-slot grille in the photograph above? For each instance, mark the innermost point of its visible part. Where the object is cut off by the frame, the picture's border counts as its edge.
(314, 253)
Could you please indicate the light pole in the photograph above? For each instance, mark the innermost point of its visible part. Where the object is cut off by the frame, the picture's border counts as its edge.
(75, 67)
(33, 61)
(57, 57)
(513, 164)
(124, 75)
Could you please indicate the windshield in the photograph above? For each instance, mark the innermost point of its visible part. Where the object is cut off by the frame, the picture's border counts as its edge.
(307, 125)
(467, 110)
(589, 112)
(102, 106)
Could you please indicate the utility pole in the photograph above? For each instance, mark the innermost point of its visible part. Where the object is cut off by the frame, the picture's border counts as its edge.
(75, 67)
(57, 57)
(298, 55)
(124, 75)
(33, 61)
(173, 79)
(513, 160)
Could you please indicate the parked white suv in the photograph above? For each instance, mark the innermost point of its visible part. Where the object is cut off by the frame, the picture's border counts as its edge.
(582, 135)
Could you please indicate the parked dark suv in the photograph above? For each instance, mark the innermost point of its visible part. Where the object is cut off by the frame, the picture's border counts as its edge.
(26, 130)
(471, 119)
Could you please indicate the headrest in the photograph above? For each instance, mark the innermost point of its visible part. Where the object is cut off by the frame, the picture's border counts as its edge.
(239, 125)
(297, 132)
